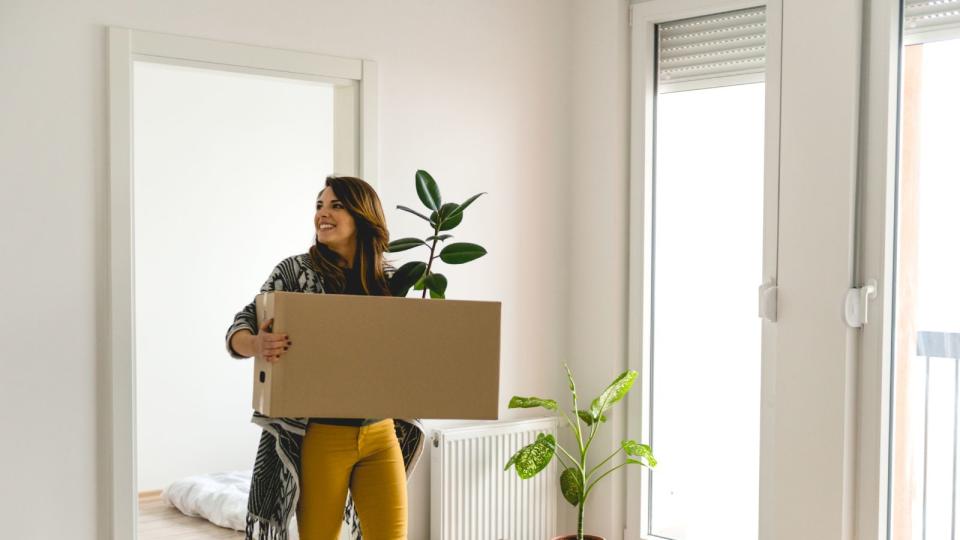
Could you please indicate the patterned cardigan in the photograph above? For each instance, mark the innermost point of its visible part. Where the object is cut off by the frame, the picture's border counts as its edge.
(275, 484)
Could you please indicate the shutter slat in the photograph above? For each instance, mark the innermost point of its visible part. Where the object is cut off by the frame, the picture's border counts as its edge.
(931, 20)
(716, 50)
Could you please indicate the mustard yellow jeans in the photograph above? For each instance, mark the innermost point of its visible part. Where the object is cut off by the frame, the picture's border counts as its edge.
(368, 461)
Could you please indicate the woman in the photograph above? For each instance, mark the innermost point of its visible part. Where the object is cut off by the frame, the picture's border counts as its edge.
(308, 464)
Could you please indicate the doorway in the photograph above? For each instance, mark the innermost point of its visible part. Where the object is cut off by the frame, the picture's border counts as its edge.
(218, 151)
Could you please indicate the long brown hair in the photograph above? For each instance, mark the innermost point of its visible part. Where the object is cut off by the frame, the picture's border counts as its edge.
(360, 199)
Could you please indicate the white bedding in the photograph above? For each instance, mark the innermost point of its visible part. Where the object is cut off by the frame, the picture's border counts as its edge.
(220, 498)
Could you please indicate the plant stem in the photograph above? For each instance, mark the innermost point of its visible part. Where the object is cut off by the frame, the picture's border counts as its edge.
(562, 449)
(580, 520)
(570, 422)
(593, 470)
(436, 230)
(593, 432)
(573, 392)
(601, 478)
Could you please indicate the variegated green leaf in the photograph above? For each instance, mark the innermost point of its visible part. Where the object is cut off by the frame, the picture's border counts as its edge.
(519, 402)
(571, 485)
(643, 451)
(587, 418)
(613, 393)
(534, 457)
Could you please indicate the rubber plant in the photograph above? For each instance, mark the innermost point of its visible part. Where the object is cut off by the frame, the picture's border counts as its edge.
(576, 480)
(443, 217)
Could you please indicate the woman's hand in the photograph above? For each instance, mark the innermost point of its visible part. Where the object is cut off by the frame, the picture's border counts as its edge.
(268, 345)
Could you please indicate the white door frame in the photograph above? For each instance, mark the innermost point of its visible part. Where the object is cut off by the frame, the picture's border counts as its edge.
(355, 120)
(644, 18)
(879, 126)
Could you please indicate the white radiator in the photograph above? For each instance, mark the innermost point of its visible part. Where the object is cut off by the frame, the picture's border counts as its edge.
(473, 498)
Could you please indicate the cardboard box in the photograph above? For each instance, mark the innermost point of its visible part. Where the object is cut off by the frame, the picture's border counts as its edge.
(380, 357)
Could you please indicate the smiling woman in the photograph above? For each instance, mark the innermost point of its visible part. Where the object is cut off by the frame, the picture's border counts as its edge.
(370, 457)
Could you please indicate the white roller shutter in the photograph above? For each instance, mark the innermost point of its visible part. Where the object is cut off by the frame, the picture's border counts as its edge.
(930, 20)
(716, 50)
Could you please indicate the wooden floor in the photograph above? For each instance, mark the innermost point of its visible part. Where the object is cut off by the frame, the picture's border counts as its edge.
(159, 521)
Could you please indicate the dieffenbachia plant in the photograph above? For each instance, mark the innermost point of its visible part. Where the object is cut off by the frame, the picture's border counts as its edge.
(444, 217)
(576, 480)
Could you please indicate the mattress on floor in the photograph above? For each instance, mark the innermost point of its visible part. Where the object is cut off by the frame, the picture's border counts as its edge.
(220, 498)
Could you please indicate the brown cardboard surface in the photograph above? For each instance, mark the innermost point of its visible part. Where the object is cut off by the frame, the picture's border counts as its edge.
(380, 357)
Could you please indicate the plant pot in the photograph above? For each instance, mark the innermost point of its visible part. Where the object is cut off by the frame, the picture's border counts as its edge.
(574, 537)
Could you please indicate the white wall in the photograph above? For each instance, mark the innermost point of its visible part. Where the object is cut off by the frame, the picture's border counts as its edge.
(478, 93)
(598, 238)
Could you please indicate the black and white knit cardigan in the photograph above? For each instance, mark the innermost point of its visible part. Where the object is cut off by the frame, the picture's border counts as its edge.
(275, 485)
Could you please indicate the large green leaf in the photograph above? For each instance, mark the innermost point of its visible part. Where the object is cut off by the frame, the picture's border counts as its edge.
(446, 222)
(420, 285)
(571, 485)
(613, 393)
(404, 244)
(437, 283)
(414, 212)
(534, 457)
(441, 237)
(642, 451)
(587, 418)
(427, 190)
(461, 252)
(519, 402)
(405, 277)
(461, 207)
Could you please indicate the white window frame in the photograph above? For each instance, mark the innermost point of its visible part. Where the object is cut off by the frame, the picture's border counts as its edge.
(879, 125)
(644, 17)
(355, 119)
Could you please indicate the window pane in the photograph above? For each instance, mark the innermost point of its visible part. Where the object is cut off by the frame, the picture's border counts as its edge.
(927, 301)
(708, 226)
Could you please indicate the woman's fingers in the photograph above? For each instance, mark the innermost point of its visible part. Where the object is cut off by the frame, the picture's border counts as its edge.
(274, 349)
(271, 345)
(265, 326)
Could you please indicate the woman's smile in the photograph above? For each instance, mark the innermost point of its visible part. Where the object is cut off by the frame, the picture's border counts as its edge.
(335, 226)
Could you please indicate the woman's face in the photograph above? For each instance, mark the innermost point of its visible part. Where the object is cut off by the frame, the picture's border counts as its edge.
(334, 224)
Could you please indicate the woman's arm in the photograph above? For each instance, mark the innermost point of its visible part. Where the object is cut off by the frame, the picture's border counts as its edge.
(242, 343)
(264, 343)
(240, 334)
